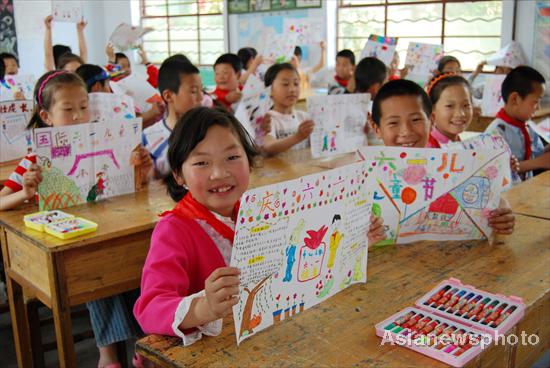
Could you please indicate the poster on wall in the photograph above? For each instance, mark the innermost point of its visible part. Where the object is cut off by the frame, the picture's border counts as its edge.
(253, 6)
(8, 36)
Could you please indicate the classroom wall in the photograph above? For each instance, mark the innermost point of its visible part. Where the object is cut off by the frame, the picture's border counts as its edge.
(102, 16)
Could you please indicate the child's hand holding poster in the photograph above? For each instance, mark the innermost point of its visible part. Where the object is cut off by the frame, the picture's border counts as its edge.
(141, 92)
(105, 107)
(298, 243)
(382, 48)
(422, 59)
(15, 139)
(255, 103)
(436, 194)
(339, 122)
(85, 162)
(492, 98)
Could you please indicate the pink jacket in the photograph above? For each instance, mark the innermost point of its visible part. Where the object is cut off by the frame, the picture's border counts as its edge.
(182, 255)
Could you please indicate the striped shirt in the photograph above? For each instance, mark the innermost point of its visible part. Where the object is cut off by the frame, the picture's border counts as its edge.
(15, 181)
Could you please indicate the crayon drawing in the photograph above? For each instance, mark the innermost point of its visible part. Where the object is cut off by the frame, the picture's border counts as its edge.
(15, 139)
(309, 31)
(422, 59)
(105, 107)
(12, 84)
(436, 194)
(85, 162)
(141, 92)
(542, 129)
(297, 243)
(382, 48)
(67, 10)
(492, 99)
(339, 122)
(255, 103)
(278, 48)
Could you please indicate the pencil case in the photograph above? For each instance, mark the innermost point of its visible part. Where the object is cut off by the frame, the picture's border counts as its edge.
(453, 322)
(70, 228)
(38, 220)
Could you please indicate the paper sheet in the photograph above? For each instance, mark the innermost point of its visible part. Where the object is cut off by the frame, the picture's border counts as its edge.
(492, 98)
(105, 107)
(67, 11)
(510, 55)
(422, 59)
(126, 36)
(339, 122)
(15, 139)
(141, 92)
(254, 104)
(12, 84)
(298, 243)
(380, 47)
(542, 129)
(436, 194)
(85, 162)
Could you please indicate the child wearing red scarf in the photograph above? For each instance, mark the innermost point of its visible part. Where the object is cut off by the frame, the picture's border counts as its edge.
(186, 286)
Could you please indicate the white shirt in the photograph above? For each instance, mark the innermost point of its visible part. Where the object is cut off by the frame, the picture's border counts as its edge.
(284, 125)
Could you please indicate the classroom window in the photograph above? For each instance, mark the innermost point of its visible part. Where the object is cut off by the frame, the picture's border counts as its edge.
(193, 28)
(469, 30)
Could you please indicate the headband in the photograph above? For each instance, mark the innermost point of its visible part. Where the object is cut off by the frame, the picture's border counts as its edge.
(45, 82)
(437, 79)
(98, 78)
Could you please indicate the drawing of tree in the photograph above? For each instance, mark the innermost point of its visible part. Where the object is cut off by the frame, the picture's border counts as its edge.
(247, 314)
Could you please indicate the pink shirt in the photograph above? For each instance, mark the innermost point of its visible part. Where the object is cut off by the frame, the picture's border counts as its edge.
(437, 139)
(181, 257)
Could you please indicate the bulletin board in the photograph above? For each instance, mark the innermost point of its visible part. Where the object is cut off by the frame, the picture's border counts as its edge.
(254, 6)
(8, 36)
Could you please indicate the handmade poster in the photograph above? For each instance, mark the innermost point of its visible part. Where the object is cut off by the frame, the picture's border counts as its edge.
(141, 92)
(255, 103)
(105, 107)
(339, 123)
(279, 48)
(542, 129)
(298, 243)
(67, 11)
(422, 59)
(85, 162)
(309, 30)
(492, 100)
(15, 139)
(380, 47)
(510, 55)
(14, 84)
(486, 141)
(436, 194)
(126, 36)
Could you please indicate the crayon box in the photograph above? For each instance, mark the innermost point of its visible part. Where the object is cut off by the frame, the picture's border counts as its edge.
(452, 323)
(60, 224)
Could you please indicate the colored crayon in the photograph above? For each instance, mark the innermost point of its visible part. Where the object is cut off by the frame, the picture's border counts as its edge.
(504, 316)
(437, 295)
(478, 307)
(469, 306)
(438, 330)
(414, 320)
(420, 325)
(427, 329)
(400, 321)
(446, 297)
(485, 311)
(446, 333)
(454, 299)
(493, 316)
(462, 302)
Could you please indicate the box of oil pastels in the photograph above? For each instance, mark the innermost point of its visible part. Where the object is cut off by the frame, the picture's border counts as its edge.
(453, 322)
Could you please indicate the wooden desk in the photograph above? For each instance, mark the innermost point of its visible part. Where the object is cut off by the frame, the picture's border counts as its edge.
(340, 331)
(64, 273)
(531, 197)
(481, 123)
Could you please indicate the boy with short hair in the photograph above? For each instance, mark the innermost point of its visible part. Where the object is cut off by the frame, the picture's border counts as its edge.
(345, 66)
(10, 62)
(180, 86)
(227, 71)
(522, 90)
(400, 113)
(370, 75)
